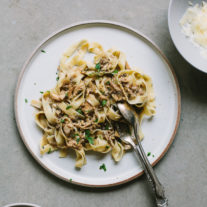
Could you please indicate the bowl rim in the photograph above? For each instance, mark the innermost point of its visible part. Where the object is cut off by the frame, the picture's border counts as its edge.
(173, 39)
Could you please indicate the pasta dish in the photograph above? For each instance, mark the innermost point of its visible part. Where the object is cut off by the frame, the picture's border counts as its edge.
(80, 112)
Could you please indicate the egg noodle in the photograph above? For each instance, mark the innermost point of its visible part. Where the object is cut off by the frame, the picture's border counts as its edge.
(80, 112)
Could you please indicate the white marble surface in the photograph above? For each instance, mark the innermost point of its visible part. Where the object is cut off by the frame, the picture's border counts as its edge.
(24, 23)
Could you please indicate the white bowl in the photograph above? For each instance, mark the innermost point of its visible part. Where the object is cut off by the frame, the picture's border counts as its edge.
(190, 52)
(21, 205)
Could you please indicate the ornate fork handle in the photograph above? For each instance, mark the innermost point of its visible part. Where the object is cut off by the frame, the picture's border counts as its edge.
(131, 116)
(157, 187)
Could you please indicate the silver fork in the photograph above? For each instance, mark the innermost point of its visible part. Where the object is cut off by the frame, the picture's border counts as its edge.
(132, 117)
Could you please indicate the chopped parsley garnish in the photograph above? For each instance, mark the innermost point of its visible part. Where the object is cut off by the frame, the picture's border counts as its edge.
(115, 71)
(41, 92)
(88, 136)
(75, 135)
(66, 95)
(107, 146)
(98, 67)
(25, 100)
(96, 120)
(78, 140)
(107, 82)
(62, 120)
(43, 51)
(70, 179)
(103, 103)
(57, 78)
(68, 107)
(49, 151)
(153, 155)
(90, 139)
(107, 126)
(79, 111)
(103, 167)
(87, 132)
(148, 154)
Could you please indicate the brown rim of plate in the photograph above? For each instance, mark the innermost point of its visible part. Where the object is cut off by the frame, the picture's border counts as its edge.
(109, 23)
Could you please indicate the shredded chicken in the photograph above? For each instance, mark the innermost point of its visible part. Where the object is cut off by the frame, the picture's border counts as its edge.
(87, 108)
(78, 89)
(72, 143)
(109, 134)
(115, 91)
(105, 64)
(67, 130)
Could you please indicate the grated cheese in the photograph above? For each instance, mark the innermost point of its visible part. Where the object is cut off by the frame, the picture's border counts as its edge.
(194, 26)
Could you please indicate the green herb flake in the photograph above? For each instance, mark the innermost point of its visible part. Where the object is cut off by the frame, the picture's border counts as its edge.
(98, 67)
(107, 82)
(70, 179)
(49, 151)
(88, 136)
(66, 95)
(107, 146)
(90, 139)
(148, 154)
(41, 92)
(103, 167)
(79, 111)
(57, 78)
(103, 103)
(153, 155)
(75, 135)
(43, 51)
(62, 120)
(87, 132)
(107, 127)
(78, 140)
(96, 120)
(25, 100)
(68, 107)
(115, 71)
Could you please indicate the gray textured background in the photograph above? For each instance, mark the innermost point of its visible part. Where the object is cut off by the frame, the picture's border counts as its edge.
(24, 23)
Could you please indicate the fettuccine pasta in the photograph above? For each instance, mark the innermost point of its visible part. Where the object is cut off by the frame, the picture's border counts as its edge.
(80, 112)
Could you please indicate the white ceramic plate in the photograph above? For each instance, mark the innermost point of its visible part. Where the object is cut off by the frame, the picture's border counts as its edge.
(190, 52)
(39, 74)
